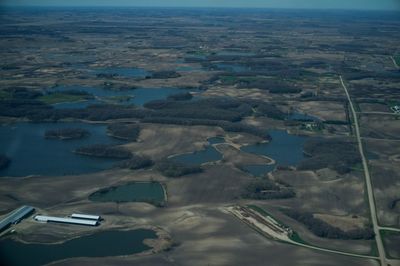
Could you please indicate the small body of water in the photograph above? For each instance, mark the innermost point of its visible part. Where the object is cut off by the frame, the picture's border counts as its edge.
(284, 148)
(232, 67)
(236, 53)
(189, 68)
(32, 154)
(259, 169)
(216, 140)
(150, 192)
(137, 97)
(302, 117)
(103, 244)
(209, 154)
(122, 71)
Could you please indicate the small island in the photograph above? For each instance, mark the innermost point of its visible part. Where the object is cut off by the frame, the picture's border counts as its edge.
(4, 161)
(66, 133)
(104, 151)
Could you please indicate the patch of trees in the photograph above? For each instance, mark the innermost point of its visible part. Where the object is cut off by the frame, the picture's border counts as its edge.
(4, 161)
(171, 168)
(212, 109)
(104, 151)
(267, 189)
(272, 85)
(392, 203)
(323, 229)
(186, 96)
(128, 132)
(339, 155)
(268, 110)
(107, 75)
(23, 93)
(136, 162)
(24, 108)
(66, 133)
(165, 74)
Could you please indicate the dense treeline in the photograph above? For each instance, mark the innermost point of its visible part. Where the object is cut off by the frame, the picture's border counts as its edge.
(165, 74)
(213, 109)
(22, 93)
(180, 97)
(268, 110)
(323, 229)
(338, 155)
(66, 133)
(128, 132)
(136, 162)
(4, 161)
(104, 151)
(267, 189)
(171, 168)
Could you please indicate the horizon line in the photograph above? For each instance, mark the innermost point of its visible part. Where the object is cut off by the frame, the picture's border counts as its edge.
(196, 7)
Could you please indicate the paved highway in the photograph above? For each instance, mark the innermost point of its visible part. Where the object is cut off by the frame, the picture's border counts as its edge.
(370, 193)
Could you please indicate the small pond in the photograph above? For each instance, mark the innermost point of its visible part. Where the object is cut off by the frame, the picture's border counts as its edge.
(150, 192)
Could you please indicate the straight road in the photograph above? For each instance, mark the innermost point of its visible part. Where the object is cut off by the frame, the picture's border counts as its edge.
(370, 192)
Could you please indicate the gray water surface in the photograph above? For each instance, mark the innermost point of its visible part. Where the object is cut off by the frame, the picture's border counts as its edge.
(102, 244)
(32, 154)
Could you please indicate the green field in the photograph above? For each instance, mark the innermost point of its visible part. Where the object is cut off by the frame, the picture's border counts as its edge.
(397, 59)
(295, 236)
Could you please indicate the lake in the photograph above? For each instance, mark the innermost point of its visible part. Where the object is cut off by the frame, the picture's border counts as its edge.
(150, 192)
(232, 67)
(32, 154)
(102, 244)
(284, 148)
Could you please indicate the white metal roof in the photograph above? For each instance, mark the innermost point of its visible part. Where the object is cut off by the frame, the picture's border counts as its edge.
(85, 216)
(43, 218)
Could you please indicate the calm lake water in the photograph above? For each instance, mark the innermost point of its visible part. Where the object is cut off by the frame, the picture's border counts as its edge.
(150, 192)
(285, 149)
(32, 154)
(103, 244)
(232, 67)
(209, 154)
(236, 53)
(139, 96)
(216, 140)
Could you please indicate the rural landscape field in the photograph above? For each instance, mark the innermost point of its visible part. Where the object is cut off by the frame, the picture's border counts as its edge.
(199, 137)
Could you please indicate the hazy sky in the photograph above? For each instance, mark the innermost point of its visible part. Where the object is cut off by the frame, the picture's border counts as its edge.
(320, 4)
